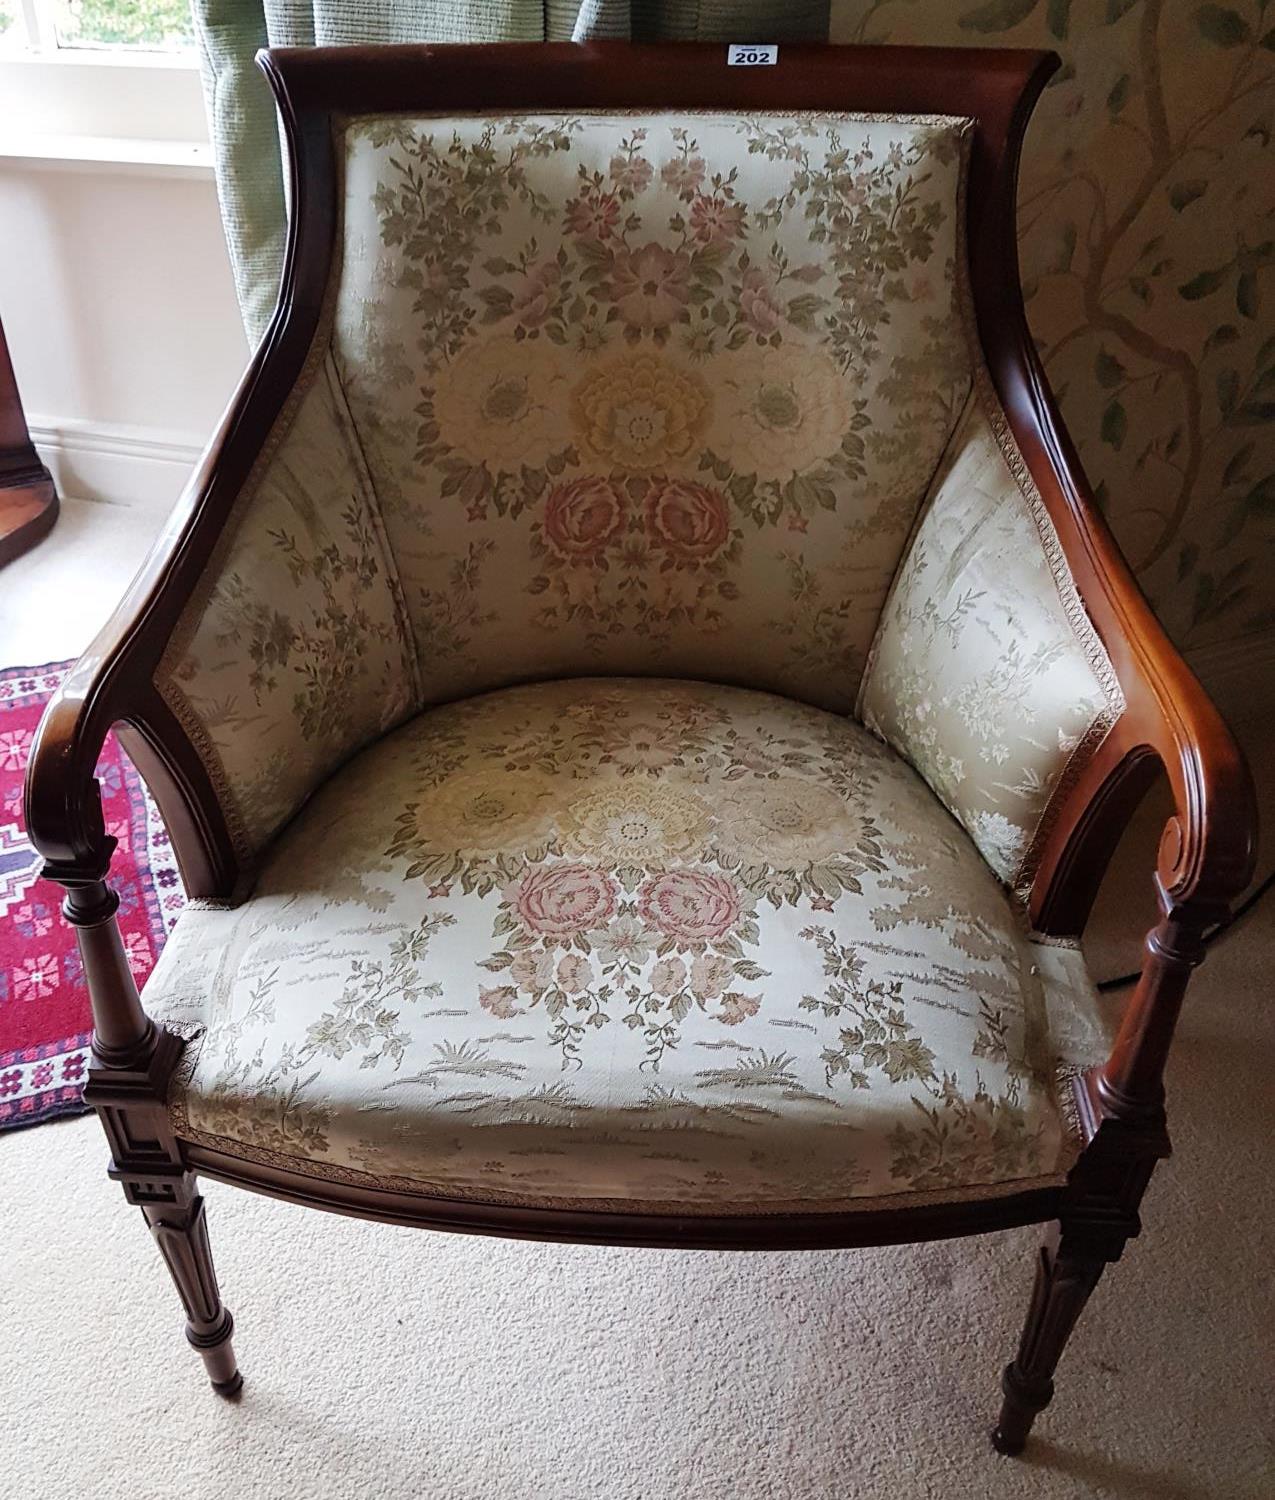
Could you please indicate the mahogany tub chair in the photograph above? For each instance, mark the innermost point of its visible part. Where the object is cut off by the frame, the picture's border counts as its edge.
(641, 693)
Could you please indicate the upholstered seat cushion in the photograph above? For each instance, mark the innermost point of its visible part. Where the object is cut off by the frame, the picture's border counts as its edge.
(628, 942)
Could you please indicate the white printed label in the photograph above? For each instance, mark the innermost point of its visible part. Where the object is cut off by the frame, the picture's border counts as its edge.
(739, 55)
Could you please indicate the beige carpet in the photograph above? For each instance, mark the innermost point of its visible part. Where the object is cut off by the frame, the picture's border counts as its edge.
(387, 1362)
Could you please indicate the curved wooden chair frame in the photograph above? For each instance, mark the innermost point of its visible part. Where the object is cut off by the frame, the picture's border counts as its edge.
(1205, 855)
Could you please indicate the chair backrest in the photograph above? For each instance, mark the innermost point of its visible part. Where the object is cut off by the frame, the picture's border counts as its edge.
(651, 393)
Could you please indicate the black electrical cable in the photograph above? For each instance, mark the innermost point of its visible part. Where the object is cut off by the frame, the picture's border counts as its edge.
(1242, 910)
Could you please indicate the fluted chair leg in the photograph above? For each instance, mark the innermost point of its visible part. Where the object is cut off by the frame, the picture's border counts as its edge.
(182, 1237)
(133, 1064)
(1064, 1280)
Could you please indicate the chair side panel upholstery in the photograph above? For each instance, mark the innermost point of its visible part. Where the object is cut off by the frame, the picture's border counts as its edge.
(293, 652)
(651, 394)
(987, 673)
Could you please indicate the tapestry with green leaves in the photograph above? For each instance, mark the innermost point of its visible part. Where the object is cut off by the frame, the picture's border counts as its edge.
(1147, 239)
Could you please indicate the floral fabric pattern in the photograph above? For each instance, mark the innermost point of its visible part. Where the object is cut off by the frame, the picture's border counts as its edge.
(986, 673)
(623, 381)
(629, 941)
(294, 653)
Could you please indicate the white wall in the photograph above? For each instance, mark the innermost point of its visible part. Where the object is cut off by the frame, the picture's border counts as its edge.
(118, 304)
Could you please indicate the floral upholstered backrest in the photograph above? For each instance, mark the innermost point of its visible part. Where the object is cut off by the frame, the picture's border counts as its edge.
(651, 393)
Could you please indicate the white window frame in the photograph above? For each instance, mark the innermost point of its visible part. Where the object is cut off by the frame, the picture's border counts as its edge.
(78, 107)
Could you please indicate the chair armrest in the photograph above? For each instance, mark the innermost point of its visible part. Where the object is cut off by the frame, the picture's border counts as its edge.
(264, 640)
(1208, 847)
(112, 684)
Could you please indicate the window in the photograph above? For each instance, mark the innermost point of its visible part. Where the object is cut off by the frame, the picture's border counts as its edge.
(101, 83)
(46, 26)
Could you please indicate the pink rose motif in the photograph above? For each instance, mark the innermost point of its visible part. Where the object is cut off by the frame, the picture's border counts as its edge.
(574, 973)
(582, 516)
(757, 305)
(532, 971)
(668, 976)
(560, 900)
(695, 906)
(536, 292)
(737, 1008)
(593, 215)
(710, 974)
(716, 221)
(631, 172)
(499, 1001)
(650, 286)
(689, 521)
(683, 174)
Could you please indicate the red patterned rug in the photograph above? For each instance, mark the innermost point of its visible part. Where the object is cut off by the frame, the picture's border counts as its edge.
(45, 1023)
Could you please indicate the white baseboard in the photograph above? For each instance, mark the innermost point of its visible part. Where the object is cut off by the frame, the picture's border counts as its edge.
(1239, 675)
(121, 465)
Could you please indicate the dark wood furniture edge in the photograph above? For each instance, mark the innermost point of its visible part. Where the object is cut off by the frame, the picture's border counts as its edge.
(113, 682)
(28, 498)
(1168, 721)
(790, 1231)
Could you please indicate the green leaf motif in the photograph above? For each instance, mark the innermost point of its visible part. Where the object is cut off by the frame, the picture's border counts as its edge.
(1058, 17)
(1222, 26)
(1247, 296)
(1225, 333)
(1203, 284)
(1228, 388)
(997, 15)
(1109, 370)
(1182, 193)
(1118, 8)
(1115, 424)
(1119, 95)
(1261, 497)
(1237, 463)
(1187, 559)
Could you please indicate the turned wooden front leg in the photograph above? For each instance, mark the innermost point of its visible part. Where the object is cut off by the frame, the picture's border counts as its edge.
(1065, 1278)
(182, 1237)
(133, 1063)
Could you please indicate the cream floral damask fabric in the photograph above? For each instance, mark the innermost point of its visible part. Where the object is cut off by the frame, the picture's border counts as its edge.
(294, 652)
(651, 394)
(986, 673)
(633, 942)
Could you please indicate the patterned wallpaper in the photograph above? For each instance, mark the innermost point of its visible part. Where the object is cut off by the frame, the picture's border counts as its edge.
(1147, 224)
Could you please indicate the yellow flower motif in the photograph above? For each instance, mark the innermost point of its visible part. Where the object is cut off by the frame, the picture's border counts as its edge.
(626, 820)
(488, 811)
(503, 401)
(779, 411)
(787, 824)
(640, 411)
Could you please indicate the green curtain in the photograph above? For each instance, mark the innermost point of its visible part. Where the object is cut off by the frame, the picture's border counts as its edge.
(241, 111)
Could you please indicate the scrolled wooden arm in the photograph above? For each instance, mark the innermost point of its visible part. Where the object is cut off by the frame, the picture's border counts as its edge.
(113, 682)
(1206, 851)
